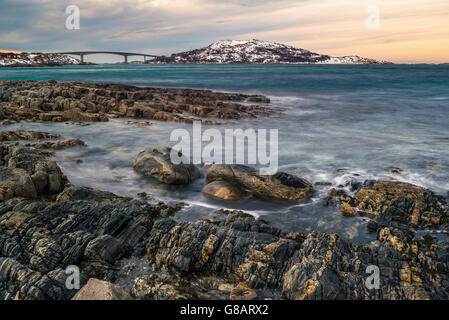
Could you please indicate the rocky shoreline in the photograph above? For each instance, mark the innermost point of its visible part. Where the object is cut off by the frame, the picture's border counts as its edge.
(127, 248)
(51, 101)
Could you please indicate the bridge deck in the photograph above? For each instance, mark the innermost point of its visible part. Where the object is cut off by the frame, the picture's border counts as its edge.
(108, 52)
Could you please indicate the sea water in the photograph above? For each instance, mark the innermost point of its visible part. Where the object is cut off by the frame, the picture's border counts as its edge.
(336, 123)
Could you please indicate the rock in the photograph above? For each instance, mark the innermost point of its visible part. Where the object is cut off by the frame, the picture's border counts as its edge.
(25, 135)
(76, 114)
(89, 102)
(347, 210)
(104, 248)
(16, 183)
(83, 193)
(281, 186)
(391, 201)
(155, 162)
(96, 289)
(222, 190)
(60, 144)
(38, 240)
(302, 266)
(396, 171)
(242, 292)
(162, 287)
(45, 174)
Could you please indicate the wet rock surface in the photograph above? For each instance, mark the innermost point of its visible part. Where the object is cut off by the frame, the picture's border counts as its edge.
(155, 162)
(90, 102)
(222, 190)
(281, 186)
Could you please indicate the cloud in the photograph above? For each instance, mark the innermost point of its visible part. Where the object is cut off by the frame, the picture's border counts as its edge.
(166, 26)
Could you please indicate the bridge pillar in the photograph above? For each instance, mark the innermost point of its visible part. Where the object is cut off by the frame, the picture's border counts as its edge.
(126, 59)
(82, 57)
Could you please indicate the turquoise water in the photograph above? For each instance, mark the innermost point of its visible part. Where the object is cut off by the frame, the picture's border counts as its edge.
(337, 123)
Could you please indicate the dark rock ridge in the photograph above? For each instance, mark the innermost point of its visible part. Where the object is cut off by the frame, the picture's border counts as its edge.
(255, 52)
(89, 102)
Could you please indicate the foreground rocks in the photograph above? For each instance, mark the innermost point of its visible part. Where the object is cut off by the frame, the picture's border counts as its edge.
(228, 255)
(90, 102)
(39, 240)
(394, 203)
(282, 186)
(155, 162)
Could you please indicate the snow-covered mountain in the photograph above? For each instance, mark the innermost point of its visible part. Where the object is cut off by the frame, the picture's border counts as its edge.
(257, 52)
(35, 59)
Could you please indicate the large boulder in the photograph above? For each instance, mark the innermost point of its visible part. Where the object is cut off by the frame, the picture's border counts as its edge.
(96, 289)
(222, 190)
(16, 183)
(155, 162)
(45, 174)
(282, 186)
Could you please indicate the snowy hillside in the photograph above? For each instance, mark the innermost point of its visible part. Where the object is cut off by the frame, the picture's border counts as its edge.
(255, 51)
(36, 59)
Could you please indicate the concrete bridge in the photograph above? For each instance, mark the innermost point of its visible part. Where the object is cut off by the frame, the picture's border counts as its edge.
(124, 54)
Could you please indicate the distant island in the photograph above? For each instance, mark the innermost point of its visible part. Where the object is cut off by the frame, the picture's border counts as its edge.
(256, 52)
(221, 52)
(10, 58)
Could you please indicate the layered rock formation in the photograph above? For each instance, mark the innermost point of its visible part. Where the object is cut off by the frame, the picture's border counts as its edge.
(89, 102)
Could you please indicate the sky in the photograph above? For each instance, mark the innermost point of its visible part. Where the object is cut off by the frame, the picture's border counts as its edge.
(407, 31)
